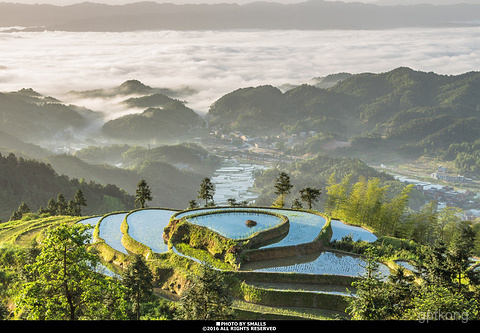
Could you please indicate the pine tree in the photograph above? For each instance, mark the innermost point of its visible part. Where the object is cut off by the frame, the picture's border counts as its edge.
(52, 207)
(207, 190)
(71, 208)
(61, 205)
(296, 204)
(459, 254)
(233, 202)
(79, 202)
(192, 204)
(15, 216)
(143, 194)
(206, 297)
(372, 298)
(138, 278)
(23, 209)
(282, 188)
(310, 195)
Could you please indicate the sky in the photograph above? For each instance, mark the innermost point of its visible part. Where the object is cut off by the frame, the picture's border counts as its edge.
(120, 2)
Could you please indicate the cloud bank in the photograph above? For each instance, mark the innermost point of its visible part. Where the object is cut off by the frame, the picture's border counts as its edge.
(217, 62)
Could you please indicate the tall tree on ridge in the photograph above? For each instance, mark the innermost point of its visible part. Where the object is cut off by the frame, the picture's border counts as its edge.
(207, 190)
(80, 201)
(310, 195)
(143, 194)
(61, 204)
(282, 188)
(67, 285)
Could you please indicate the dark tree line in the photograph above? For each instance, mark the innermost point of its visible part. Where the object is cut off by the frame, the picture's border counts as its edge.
(55, 207)
(35, 183)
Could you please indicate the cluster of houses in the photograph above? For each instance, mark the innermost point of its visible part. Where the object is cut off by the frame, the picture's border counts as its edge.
(238, 138)
(442, 174)
(446, 195)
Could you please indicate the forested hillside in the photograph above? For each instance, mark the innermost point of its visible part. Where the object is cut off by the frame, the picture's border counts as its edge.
(173, 172)
(172, 121)
(35, 183)
(35, 117)
(402, 113)
(10, 143)
(317, 172)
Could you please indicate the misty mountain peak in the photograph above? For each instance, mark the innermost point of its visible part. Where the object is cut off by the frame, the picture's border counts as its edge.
(29, 92)
(134, 87)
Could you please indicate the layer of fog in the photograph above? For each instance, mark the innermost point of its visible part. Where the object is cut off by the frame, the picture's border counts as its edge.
(215, 63)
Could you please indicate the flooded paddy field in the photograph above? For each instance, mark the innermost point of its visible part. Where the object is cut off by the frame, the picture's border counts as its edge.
(326, 262)
(110, 231)
(146, 226)
(233, 224)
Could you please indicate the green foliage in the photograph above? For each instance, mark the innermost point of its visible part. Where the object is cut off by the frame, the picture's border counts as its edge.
(296, 204)
(35, 183)
(142, 194)
(66, 285)
(315, 172)
(433, 296)
(189, 154)
(207, 297)
(402, 111)
(436, 303)
(371, 302)
(37, 117)
(138, 279)
(310, 195)
(249, 110)
(282, 188)
(365, 203)
(207, 190)
(159, 123)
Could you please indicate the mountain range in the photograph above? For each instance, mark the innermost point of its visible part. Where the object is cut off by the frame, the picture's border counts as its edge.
(34, 118)
(374, 117)
(310, 15)
(402, 111)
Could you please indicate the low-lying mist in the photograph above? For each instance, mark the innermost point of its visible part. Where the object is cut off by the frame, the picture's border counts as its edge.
(201, 66)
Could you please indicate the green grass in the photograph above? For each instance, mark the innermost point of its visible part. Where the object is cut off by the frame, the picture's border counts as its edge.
(256, 311)
(21, 232)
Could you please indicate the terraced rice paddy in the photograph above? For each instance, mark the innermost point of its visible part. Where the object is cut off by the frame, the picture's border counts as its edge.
(232, 225)
(146, 226)
(341, 229)
(324, 263)
(92, 221)
(110, 231)
(304, 227)
(314, 288)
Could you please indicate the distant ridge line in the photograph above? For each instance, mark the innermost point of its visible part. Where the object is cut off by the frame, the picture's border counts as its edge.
(309, 15)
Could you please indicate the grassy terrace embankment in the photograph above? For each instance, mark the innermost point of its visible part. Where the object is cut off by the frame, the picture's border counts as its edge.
(257, 294)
